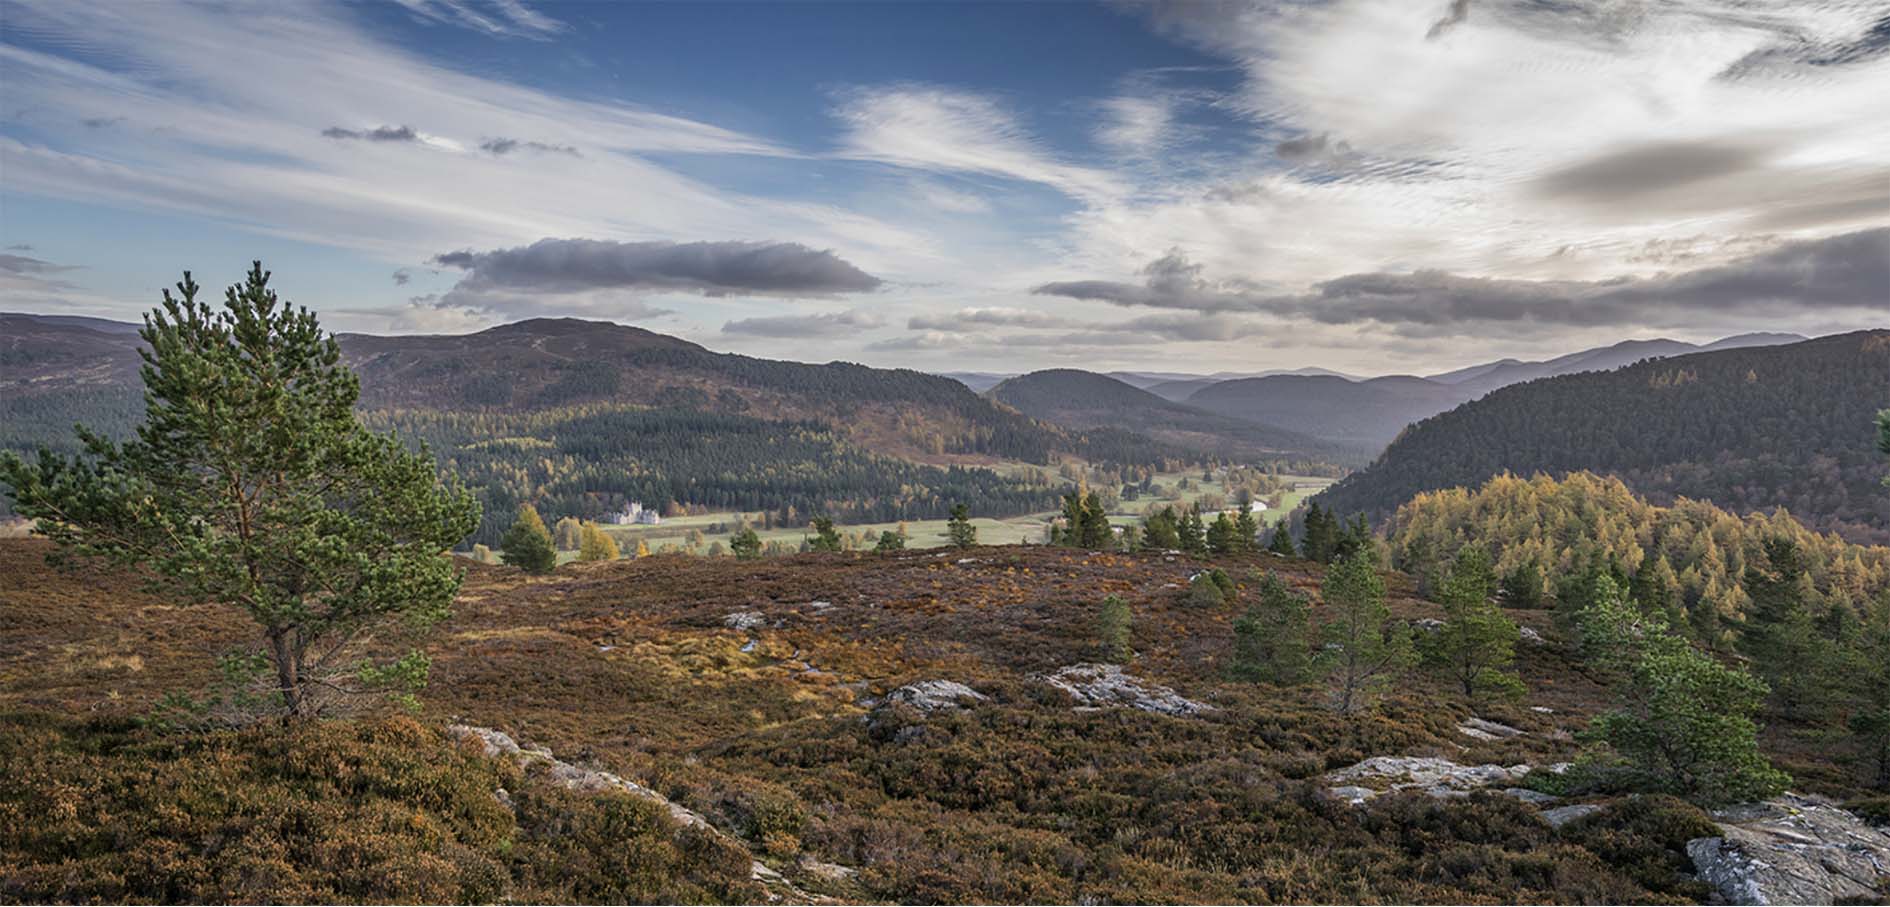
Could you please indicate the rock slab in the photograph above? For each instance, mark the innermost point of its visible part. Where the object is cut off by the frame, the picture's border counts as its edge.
(1434, 776)
(1793, 849)
(1100, 685)
(933, 695)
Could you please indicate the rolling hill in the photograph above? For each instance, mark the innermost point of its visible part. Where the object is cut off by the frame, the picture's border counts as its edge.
(1086, 401)
(580, 416)
(1748, 428)
(1373, 411)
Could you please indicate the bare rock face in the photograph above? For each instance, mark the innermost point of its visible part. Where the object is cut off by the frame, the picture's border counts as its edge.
(1434, 776)
(1100, 686)
(933, 695)
(1793, 849)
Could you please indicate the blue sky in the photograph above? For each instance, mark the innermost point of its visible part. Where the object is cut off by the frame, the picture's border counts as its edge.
(1368, 185)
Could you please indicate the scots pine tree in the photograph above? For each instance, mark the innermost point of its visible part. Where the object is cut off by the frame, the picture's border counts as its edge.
(1273, 640)
(959, 529)
(250, 484)
(745, 543)
(1369, 653)
(527, 544)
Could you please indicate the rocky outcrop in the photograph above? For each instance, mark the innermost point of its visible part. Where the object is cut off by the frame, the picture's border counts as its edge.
(745, 620)
(1481, 729)
(933, 695)
(1793, 849)
(498, 744)
(1102, 686)
(1562, 815)
(1432, 775)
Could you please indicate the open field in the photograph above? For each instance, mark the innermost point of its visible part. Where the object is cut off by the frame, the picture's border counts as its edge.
(673, 532)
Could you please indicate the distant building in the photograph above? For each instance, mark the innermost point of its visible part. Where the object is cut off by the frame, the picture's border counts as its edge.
(634, 514)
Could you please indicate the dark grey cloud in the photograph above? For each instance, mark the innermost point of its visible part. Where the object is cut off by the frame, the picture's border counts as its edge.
(1619, 176)
(502, 147)
(1459, 10)
(377, 134)
(100, 122)
(402, 276)
(1845, 272)
(1319, 148)
(20, 247)
(728, 268)
(26, 264)
(825, 324)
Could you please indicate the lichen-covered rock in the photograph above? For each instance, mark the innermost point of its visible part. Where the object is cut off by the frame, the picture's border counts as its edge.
(1100, 685)
(1432, 775)
(745, 620)
(1530, 636)
(933, 695)
(1793, 849)
(498, 744)
(1482, 729)
(1562, 815)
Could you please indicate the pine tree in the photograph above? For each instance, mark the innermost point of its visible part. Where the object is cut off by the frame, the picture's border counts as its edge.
(959, 529)
(1369, 653)
(527, 545)
(825, 538)
(1780, 635)
(251, 484)
(1282, 541)
(1114, 625)
(1160, 532)
(1522, 586)
(1221, 534)
(1246, 528)
(594, 544)
(1273, 640)
(890, 541)
(1096, 532)
(1869, 671)
(1476, 646)
(1190, 533)
(745, 543)
(1684, 721)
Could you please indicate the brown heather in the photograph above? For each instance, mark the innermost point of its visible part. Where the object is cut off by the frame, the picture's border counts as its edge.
(629, 666)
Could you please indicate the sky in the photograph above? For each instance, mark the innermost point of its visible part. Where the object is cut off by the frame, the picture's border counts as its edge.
(1371, 186)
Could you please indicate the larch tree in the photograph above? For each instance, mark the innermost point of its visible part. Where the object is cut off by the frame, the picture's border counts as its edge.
(250, 484)
(594, 544)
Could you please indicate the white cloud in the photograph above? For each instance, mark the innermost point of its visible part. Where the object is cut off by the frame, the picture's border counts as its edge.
(932, 128)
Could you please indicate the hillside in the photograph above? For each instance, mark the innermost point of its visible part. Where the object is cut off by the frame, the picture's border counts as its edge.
(581, 416)
(752, 694)
(553, 362)
(1086, 401)
(1372, 411)
(1748, 429)
(1367, 413)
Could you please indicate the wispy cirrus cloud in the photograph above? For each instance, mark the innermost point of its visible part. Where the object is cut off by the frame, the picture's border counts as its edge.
(505, 18)
(925, 127)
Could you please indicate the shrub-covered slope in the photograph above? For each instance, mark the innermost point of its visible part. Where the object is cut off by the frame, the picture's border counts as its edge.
(747, 692)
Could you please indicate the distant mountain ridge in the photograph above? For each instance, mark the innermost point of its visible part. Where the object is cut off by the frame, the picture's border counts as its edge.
(1375, 410)
(1747, 427)
(54, 370)
(1086, 400)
